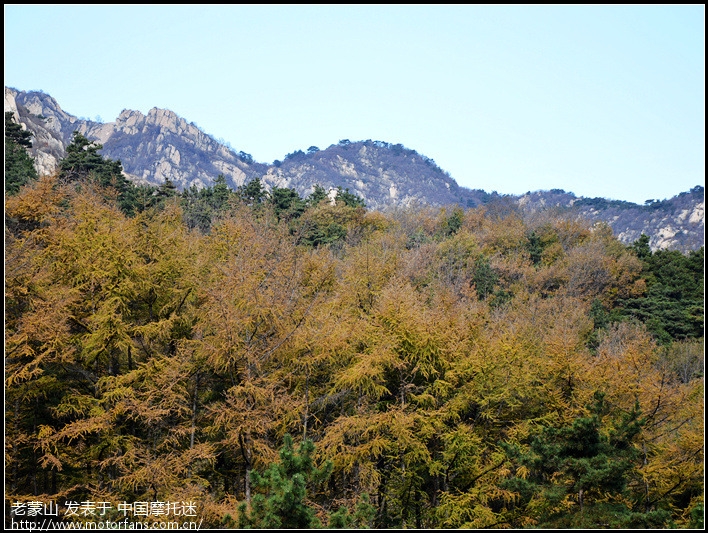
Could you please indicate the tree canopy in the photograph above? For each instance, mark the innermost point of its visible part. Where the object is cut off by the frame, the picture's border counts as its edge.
(297, 362)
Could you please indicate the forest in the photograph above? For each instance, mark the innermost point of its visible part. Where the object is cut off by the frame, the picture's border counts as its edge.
(289, 362)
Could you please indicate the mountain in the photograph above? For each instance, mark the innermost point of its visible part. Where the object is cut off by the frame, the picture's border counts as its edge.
(150, 147)
(677, 223)
(161, 145)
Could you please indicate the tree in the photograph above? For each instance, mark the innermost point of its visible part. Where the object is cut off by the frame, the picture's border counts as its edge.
(137, 198)
(673, 306)
(348, 198)
(253, 193)
(105, 316)
(629, 367)
(453, 223)
(166, 191)
(535, 248)
(641, 246)
(322, 223)
(484, 279)
(577, 475)
(82, 158)
(202, 206)
(14, 131)
(287, 203)
(19, 167)
(221, 193)
(83, 162)
(318, 194)
(295, 156)
(282, 501)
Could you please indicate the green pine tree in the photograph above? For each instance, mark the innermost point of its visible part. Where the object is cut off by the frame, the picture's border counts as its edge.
(673, 306)
(82, 158)
(19, 168)
(83, 162)
(287, 203)
(252, 193)
(578, 474)
(318, 194)
(349, 198)
(281, 502)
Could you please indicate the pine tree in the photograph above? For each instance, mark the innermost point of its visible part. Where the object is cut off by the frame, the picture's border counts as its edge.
(281, 503)
(82, 158)
(19, 168)
(253, 192)
(318, 194)
(83, 162)
(577, 475)
(287, 203)
(349, 198)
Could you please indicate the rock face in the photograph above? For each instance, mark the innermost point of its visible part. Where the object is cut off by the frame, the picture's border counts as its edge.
(162, 145)
(40, 114)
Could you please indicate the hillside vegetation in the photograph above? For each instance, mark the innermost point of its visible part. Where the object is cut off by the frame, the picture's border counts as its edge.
(294, 362)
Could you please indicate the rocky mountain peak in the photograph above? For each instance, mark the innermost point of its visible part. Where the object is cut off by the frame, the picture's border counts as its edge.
(164, 118)
(128, 119)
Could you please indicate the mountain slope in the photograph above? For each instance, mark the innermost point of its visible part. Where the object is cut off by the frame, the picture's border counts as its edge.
(383, 174)
(677, 223)
(162, 145)
(151, 147)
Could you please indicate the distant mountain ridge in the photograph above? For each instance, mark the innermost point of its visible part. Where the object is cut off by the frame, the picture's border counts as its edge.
(677, 223)
(161, 145)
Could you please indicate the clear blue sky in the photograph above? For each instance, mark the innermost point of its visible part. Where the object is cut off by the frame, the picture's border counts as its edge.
(598, 100)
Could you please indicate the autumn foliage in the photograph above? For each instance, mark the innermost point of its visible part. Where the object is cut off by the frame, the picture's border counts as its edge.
(452, 368)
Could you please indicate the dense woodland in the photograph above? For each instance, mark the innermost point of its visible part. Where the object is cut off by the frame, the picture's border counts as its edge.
(302, 362)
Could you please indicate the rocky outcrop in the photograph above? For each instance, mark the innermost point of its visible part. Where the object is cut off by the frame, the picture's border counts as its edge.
(41, 114)
(162, 145)
(151, 148)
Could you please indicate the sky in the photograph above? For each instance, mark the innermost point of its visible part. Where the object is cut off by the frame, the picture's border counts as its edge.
(602, 101)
